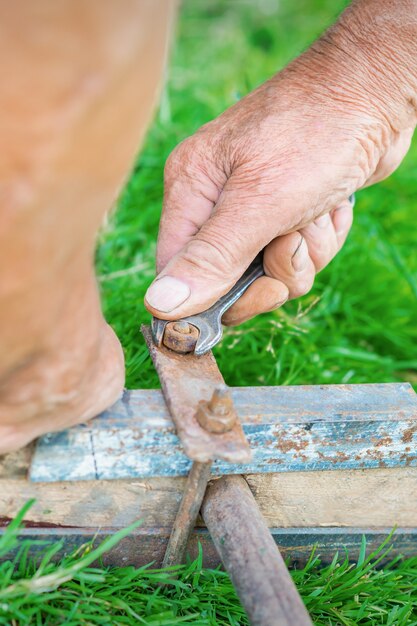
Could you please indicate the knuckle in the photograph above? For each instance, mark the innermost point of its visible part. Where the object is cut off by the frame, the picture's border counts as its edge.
(185, 156)
(324, 256)
(209, 256)
(302, 286)
(176, 161)
(191, 164)
(322, 249)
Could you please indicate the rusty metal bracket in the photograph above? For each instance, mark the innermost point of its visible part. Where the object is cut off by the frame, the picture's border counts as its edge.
(188, 383)
(187, 513)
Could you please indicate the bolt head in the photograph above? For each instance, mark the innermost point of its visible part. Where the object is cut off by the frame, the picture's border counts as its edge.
(182, 327)
(221, 402)
(214, 423)
(218, 414)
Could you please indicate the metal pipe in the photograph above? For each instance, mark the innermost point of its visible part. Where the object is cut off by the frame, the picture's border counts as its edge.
(250, 555)
(187, 513)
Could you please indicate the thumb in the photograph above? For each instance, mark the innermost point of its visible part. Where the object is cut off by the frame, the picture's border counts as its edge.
(210, 263)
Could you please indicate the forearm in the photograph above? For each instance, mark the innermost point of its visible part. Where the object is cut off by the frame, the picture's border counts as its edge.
(368, 61)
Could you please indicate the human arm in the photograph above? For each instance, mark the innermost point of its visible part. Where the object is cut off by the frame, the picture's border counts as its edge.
(270, 172)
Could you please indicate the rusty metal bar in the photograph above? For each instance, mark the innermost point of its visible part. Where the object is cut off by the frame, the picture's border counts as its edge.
(250, 555)
(202, 409)
(187, 380)
(185, 519)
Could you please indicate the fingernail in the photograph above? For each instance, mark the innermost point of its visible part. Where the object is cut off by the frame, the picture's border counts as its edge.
(300, 257)
(322, 221)
(167, 293)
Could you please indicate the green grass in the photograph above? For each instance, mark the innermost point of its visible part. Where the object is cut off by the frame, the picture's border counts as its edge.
(74, 593)
(358, 322)
(357, 325)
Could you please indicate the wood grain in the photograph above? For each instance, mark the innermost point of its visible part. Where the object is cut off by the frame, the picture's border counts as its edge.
(377, 498)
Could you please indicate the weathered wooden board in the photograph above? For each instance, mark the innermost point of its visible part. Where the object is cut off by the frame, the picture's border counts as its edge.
(295, 428)
(376, 498)
(144, 546)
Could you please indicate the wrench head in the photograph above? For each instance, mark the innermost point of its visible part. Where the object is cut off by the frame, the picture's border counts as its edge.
(209, 322)
(209, 327)
(210, 332)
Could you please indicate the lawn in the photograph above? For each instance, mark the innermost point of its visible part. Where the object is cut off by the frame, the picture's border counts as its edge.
(357, 325)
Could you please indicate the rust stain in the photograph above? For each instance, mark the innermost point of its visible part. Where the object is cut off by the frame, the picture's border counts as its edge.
(408, 434)
(323, 443)
(339, 457)
(407, 459)
(303, 457)
(385, 441)
(330, 459)
(342, 456)
(374, 454)
(285, 445)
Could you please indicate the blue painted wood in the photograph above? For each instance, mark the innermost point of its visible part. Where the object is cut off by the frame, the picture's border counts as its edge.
(295, 428)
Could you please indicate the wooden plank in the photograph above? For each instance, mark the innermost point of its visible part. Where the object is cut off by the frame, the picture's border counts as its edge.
(94, 504)
(380, 498)
(289, 429)
(145, 546)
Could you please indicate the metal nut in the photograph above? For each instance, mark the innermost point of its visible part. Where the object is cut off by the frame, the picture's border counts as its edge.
(218, 414)
(180, 337)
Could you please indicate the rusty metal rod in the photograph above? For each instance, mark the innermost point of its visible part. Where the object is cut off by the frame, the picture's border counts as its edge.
(251, 556)
(185, 519)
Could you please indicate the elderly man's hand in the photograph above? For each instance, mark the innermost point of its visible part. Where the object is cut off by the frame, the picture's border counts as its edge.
(275, 171)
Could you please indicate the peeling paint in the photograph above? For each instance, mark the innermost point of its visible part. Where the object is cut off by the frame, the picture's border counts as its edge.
(362, 426)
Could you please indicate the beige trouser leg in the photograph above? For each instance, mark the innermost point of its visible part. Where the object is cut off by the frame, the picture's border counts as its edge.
(79, 80)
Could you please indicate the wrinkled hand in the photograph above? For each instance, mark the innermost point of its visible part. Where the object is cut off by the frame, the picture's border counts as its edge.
(273, 172)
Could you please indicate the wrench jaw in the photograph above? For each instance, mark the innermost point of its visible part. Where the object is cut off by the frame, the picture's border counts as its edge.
(158, 328)
(209, 333)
